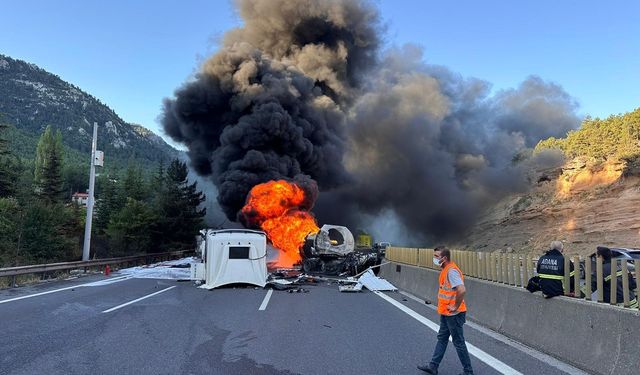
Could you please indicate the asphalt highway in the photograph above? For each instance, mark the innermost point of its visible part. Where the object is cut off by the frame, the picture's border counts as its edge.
(148, 326)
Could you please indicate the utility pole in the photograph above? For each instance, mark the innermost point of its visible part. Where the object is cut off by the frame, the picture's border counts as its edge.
(92, 178)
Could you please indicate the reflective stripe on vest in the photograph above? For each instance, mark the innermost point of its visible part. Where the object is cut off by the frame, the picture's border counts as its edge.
(618, 274)
(447, 294)
(551, 277)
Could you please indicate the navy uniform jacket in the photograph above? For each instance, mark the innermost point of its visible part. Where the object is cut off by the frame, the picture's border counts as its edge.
(551, 271)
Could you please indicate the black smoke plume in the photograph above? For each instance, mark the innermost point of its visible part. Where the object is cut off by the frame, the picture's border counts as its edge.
(270, 104)
(301, 91)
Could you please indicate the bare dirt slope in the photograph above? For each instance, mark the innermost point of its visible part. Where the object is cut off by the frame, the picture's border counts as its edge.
(584, 204)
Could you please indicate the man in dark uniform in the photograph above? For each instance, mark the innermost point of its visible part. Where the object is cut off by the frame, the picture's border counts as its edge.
(605, 253)
(551, 271)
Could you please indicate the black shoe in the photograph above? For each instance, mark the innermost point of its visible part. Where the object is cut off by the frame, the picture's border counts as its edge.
(428, 369)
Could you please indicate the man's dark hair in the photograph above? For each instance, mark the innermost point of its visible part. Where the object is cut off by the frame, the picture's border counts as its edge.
(605, 253)
(444, 252)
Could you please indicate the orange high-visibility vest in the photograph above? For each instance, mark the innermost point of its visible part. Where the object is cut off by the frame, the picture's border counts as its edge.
(446, 294)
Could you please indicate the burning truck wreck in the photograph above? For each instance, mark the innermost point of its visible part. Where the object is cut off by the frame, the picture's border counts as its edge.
(332, 251)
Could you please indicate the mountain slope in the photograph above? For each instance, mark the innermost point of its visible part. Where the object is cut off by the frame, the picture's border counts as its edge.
(32, 98)
(593, 199)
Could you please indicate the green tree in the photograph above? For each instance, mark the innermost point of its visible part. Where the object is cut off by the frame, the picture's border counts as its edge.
(179, 208)
(132, 229)
(75, 179)
(108, 202)
(617, 136)
(51, 232)
(8, 166)
(10, 231)
(48, 167)
(134, 183)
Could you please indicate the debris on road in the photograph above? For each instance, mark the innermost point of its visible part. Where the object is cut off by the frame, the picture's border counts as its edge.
(170, 270)
(357, 287)
(369, 280)
(375, 283)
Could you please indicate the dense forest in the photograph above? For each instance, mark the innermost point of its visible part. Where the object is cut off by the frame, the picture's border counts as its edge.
(617, 136)
(136, 211)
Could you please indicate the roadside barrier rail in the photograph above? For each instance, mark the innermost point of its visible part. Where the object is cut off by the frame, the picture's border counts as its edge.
(12, 272)
(516, 270)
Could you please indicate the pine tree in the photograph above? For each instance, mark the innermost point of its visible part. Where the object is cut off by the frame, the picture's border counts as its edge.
(131, 230)
(108, 202)
(134, 183)
(180, 212)
(48, 167)
(8, 173)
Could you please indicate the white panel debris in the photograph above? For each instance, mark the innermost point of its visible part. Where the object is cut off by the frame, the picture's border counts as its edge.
(357, 287)
(375, 283)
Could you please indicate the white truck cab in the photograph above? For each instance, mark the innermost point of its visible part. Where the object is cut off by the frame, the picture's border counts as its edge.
(231, 256)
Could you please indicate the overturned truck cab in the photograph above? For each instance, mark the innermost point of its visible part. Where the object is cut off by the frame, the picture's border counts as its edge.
(332, 251)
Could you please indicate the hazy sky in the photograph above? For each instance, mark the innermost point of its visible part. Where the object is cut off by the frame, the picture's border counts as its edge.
(131, 54)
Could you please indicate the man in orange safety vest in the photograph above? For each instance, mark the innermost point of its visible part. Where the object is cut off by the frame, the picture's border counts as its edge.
(452, 310)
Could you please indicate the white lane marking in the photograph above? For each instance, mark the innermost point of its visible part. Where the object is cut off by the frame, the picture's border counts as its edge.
(476, 352)
(138, 299)
(109, 281)
(265, 301)
(546, 359)
(121, 278)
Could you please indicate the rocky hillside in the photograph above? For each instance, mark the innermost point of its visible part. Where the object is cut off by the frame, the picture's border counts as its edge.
(32, 98)
(593, 199)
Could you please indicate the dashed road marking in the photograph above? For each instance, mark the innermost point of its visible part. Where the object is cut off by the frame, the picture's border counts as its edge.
(265, 301)
(115, 279)
(137, 300)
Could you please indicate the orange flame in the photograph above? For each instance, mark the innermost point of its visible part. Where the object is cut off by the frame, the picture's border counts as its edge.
(277, 208)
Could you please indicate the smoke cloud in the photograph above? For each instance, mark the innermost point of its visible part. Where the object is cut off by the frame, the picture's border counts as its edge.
(303, 92)
(270, 104)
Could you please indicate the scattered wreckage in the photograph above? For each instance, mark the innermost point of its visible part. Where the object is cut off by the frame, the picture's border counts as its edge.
(238, 256)
(332, 251)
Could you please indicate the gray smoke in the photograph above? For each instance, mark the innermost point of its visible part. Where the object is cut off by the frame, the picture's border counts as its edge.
(432, 149)
(301, 91)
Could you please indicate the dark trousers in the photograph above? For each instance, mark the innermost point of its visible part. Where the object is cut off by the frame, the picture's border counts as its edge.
(452, 326)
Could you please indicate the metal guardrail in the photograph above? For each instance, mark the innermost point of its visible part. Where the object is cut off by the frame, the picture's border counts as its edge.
(517, 269)
(42, 268)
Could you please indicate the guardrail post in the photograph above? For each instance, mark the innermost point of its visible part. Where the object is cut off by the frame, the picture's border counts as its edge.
(509, 269)
(476, 264)
(13, 281)
(576, 275)
(527, 262)
(487, 266)
(494, 267)
(587, 278)
(613, 282)
(599, 280)
(519, 271)
(625, 283)
(566, 281)
(505, 269)
(500, 261)
(636, 265)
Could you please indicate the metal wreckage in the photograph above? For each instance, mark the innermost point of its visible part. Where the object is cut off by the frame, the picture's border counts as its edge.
(333, 251)
(238, 256)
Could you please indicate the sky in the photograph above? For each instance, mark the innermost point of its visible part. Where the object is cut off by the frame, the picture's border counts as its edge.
(131, 54)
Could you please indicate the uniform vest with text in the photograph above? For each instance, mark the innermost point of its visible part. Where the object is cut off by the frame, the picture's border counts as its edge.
(446, 294)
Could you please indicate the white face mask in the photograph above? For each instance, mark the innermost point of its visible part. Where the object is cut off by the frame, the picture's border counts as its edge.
(436, 261)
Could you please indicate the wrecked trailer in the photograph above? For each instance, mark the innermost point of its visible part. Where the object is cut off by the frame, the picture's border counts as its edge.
(332, 251)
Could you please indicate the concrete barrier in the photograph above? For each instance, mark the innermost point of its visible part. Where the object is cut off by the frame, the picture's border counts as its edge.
(597, 338)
